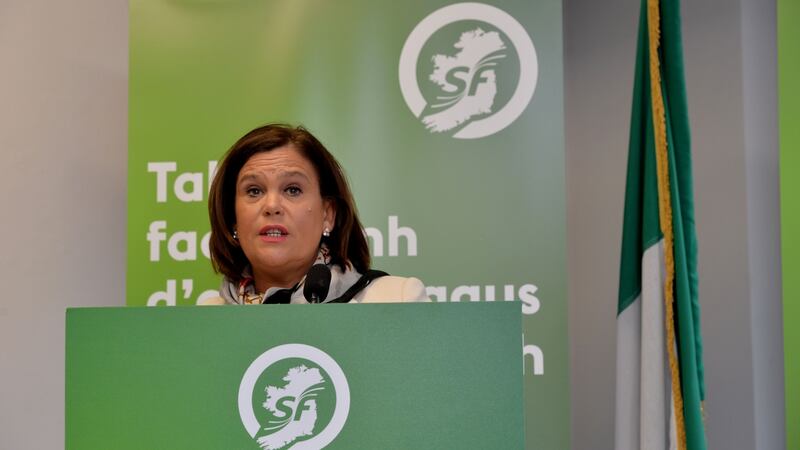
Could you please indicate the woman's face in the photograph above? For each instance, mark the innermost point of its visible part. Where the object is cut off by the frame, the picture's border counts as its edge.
(280, 215)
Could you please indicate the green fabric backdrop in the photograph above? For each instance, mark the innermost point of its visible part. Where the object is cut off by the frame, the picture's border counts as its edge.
(789, 111)
(475, 219)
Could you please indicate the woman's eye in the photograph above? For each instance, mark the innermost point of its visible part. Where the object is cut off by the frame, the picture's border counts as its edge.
(294, 191)
(253, 191)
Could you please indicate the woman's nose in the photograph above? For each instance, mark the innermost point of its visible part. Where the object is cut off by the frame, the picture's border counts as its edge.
(272, 204)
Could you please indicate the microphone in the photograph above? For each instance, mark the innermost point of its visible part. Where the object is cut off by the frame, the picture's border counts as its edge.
(318, 281)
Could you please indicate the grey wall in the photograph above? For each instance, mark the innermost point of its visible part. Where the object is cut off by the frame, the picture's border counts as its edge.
(63, 114)
(730, 73)
(63, 121)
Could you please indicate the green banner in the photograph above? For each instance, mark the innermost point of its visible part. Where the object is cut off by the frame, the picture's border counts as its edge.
(448, 118)
(333, 376)
(789, 117)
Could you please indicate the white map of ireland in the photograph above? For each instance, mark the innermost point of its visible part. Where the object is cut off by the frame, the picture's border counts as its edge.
(298, 394)
(474, 66)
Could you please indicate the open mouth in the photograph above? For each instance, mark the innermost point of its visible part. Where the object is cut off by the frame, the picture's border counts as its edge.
(273, 231)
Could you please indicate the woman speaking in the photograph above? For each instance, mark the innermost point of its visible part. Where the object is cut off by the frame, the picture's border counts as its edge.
(284, 227)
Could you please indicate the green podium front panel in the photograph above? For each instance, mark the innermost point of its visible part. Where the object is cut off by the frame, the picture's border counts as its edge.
(411, 376)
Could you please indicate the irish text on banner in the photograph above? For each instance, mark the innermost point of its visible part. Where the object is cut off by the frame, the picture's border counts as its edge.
(446, 116)
(660, 386)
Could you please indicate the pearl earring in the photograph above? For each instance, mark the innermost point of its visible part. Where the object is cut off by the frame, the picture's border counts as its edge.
(236, 235)
(327, 232)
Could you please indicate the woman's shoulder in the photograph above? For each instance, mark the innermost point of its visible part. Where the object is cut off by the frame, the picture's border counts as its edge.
(211, 301)
(392, 289)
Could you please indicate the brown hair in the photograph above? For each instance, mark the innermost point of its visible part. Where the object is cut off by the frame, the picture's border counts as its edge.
(347, 242)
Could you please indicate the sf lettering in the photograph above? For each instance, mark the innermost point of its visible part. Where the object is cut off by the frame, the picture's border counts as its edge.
(290, 405)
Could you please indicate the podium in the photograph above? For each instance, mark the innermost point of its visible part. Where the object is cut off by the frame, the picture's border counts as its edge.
(357, 376)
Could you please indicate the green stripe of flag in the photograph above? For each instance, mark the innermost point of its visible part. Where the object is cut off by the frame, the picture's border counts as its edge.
(640, 228)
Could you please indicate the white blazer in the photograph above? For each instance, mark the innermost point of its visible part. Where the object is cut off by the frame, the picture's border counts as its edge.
(388, 289)
(391, 289)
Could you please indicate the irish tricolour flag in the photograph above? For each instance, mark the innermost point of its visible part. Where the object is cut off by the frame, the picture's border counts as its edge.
(660, 388)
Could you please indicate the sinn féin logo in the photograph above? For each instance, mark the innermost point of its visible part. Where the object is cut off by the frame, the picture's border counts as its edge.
(468, 69)
(294, 396)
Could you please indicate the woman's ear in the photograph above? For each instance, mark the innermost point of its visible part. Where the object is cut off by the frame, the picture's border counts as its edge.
(329, 213)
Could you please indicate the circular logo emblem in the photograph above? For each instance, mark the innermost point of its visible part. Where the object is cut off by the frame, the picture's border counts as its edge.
(468, 69)
(294, 396)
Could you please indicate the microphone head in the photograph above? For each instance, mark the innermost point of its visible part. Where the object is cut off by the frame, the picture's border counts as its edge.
(318, 281)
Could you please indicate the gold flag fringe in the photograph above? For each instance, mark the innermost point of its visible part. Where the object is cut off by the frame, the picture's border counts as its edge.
(665, 209)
